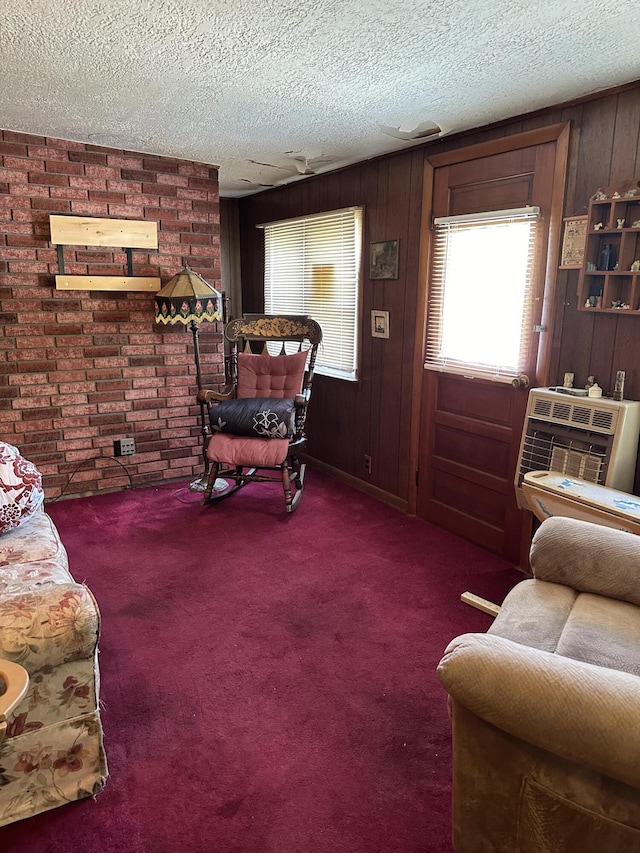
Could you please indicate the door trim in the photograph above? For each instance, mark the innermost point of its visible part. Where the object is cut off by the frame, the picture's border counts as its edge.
(553, 132)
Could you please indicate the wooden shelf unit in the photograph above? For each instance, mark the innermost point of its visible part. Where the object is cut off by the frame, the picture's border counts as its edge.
(606, 276)
(128, 234)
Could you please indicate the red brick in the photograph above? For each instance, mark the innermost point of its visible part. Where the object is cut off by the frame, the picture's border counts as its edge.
(160, 165)
(124, 186)
(102, 149)
(199, 170)
(119, 210)
(205, 228)
(58, 337)
(54, 205)
(105, 397)
(87, 183)
(63, 329)
(102, 172)
(62, 167)
(203, 184)
(89, 208)
(13, 149)
(15, 136)
(88, 157)
(17, 176)
(68, 192)
(66, 144)
(104, 195)
(124, 161)
(138, 175)
(48, 179)
(194, 195)
(156, 189)
(34, 191)
(107, 418)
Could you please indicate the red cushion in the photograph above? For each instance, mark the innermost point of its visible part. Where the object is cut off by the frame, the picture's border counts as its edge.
(267, 375)
(251, 452)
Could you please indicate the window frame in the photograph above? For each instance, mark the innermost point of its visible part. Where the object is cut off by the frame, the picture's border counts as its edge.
(349, 368)
(443, 228)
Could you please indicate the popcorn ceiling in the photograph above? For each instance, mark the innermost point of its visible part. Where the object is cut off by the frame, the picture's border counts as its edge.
(269, 81)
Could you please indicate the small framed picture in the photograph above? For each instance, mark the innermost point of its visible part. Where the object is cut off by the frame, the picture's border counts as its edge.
(380, 324)
(384, 260)
(573, 242)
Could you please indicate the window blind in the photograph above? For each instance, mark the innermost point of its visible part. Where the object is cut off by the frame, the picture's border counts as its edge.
(480, 306)
(312, 266)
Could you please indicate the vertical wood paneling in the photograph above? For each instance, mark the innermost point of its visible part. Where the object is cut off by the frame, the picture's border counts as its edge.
(347, 420)
(624, 150)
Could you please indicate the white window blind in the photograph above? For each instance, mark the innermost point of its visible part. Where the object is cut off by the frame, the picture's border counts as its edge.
(312, 266)
(480, 310)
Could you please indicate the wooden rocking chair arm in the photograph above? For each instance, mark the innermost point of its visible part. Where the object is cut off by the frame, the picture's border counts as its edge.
(207, 395)
(16, 679)
(302, 400)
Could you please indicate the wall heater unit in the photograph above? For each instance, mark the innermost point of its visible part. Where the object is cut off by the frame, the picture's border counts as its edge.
(590, 438)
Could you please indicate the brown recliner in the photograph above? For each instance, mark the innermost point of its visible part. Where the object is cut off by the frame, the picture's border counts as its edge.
(545, 707)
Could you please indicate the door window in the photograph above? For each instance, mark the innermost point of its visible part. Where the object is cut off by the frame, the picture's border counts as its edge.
(480, 309)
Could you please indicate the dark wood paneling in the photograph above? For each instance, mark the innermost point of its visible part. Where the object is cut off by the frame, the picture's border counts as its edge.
(467, 200)
(347, 420)
(480, 452)
(373, 415)
(489, 402)
(485, 505)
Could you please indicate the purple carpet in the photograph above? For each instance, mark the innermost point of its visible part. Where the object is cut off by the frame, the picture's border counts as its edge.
(268, 680)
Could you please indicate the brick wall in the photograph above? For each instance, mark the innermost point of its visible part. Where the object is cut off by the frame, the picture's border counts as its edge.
(80, 369)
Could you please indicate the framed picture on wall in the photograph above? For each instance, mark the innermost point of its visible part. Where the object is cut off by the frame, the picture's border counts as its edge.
(573, 242)
(380, 324)
(384, 260)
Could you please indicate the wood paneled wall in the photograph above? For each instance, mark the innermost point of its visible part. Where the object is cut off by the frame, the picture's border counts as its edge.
(373, 416)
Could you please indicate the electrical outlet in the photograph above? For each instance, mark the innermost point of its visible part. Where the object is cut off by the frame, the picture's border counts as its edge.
(367, 463)
(124, 447)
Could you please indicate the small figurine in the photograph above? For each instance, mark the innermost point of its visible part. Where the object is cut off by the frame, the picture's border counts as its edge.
(616, 194)
(635, 266)
(635, 223)
(620, 223)
(616, 303)
(598, 226)
(630, 193)
(591, 380)
(618, 391)
(568, 380)
(599, 196)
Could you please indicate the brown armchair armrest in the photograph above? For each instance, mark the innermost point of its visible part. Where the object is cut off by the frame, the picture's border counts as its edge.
(207, 395)
(16, 679)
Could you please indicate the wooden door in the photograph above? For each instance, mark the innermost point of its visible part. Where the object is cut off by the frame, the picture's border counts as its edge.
(470, 428)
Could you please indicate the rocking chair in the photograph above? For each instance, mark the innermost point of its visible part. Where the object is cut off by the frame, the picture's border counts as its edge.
(257, 423)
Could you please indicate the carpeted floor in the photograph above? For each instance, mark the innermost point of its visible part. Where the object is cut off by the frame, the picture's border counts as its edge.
(268, 681)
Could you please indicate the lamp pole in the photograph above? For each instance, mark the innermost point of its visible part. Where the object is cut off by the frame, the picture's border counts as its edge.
(200, 483)
(187, 298)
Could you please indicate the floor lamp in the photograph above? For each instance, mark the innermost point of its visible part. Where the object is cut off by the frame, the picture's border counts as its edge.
(188, 299)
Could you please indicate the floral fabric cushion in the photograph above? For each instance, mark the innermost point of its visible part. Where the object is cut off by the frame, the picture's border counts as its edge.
(255, 417)
(21, 492)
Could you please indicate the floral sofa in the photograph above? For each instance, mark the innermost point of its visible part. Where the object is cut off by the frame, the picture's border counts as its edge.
(51, 749)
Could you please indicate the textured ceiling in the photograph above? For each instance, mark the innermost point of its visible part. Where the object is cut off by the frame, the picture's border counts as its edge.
(271, 88)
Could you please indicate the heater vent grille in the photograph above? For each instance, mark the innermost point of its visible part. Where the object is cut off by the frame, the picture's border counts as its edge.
(543, 451)
(583, 415)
